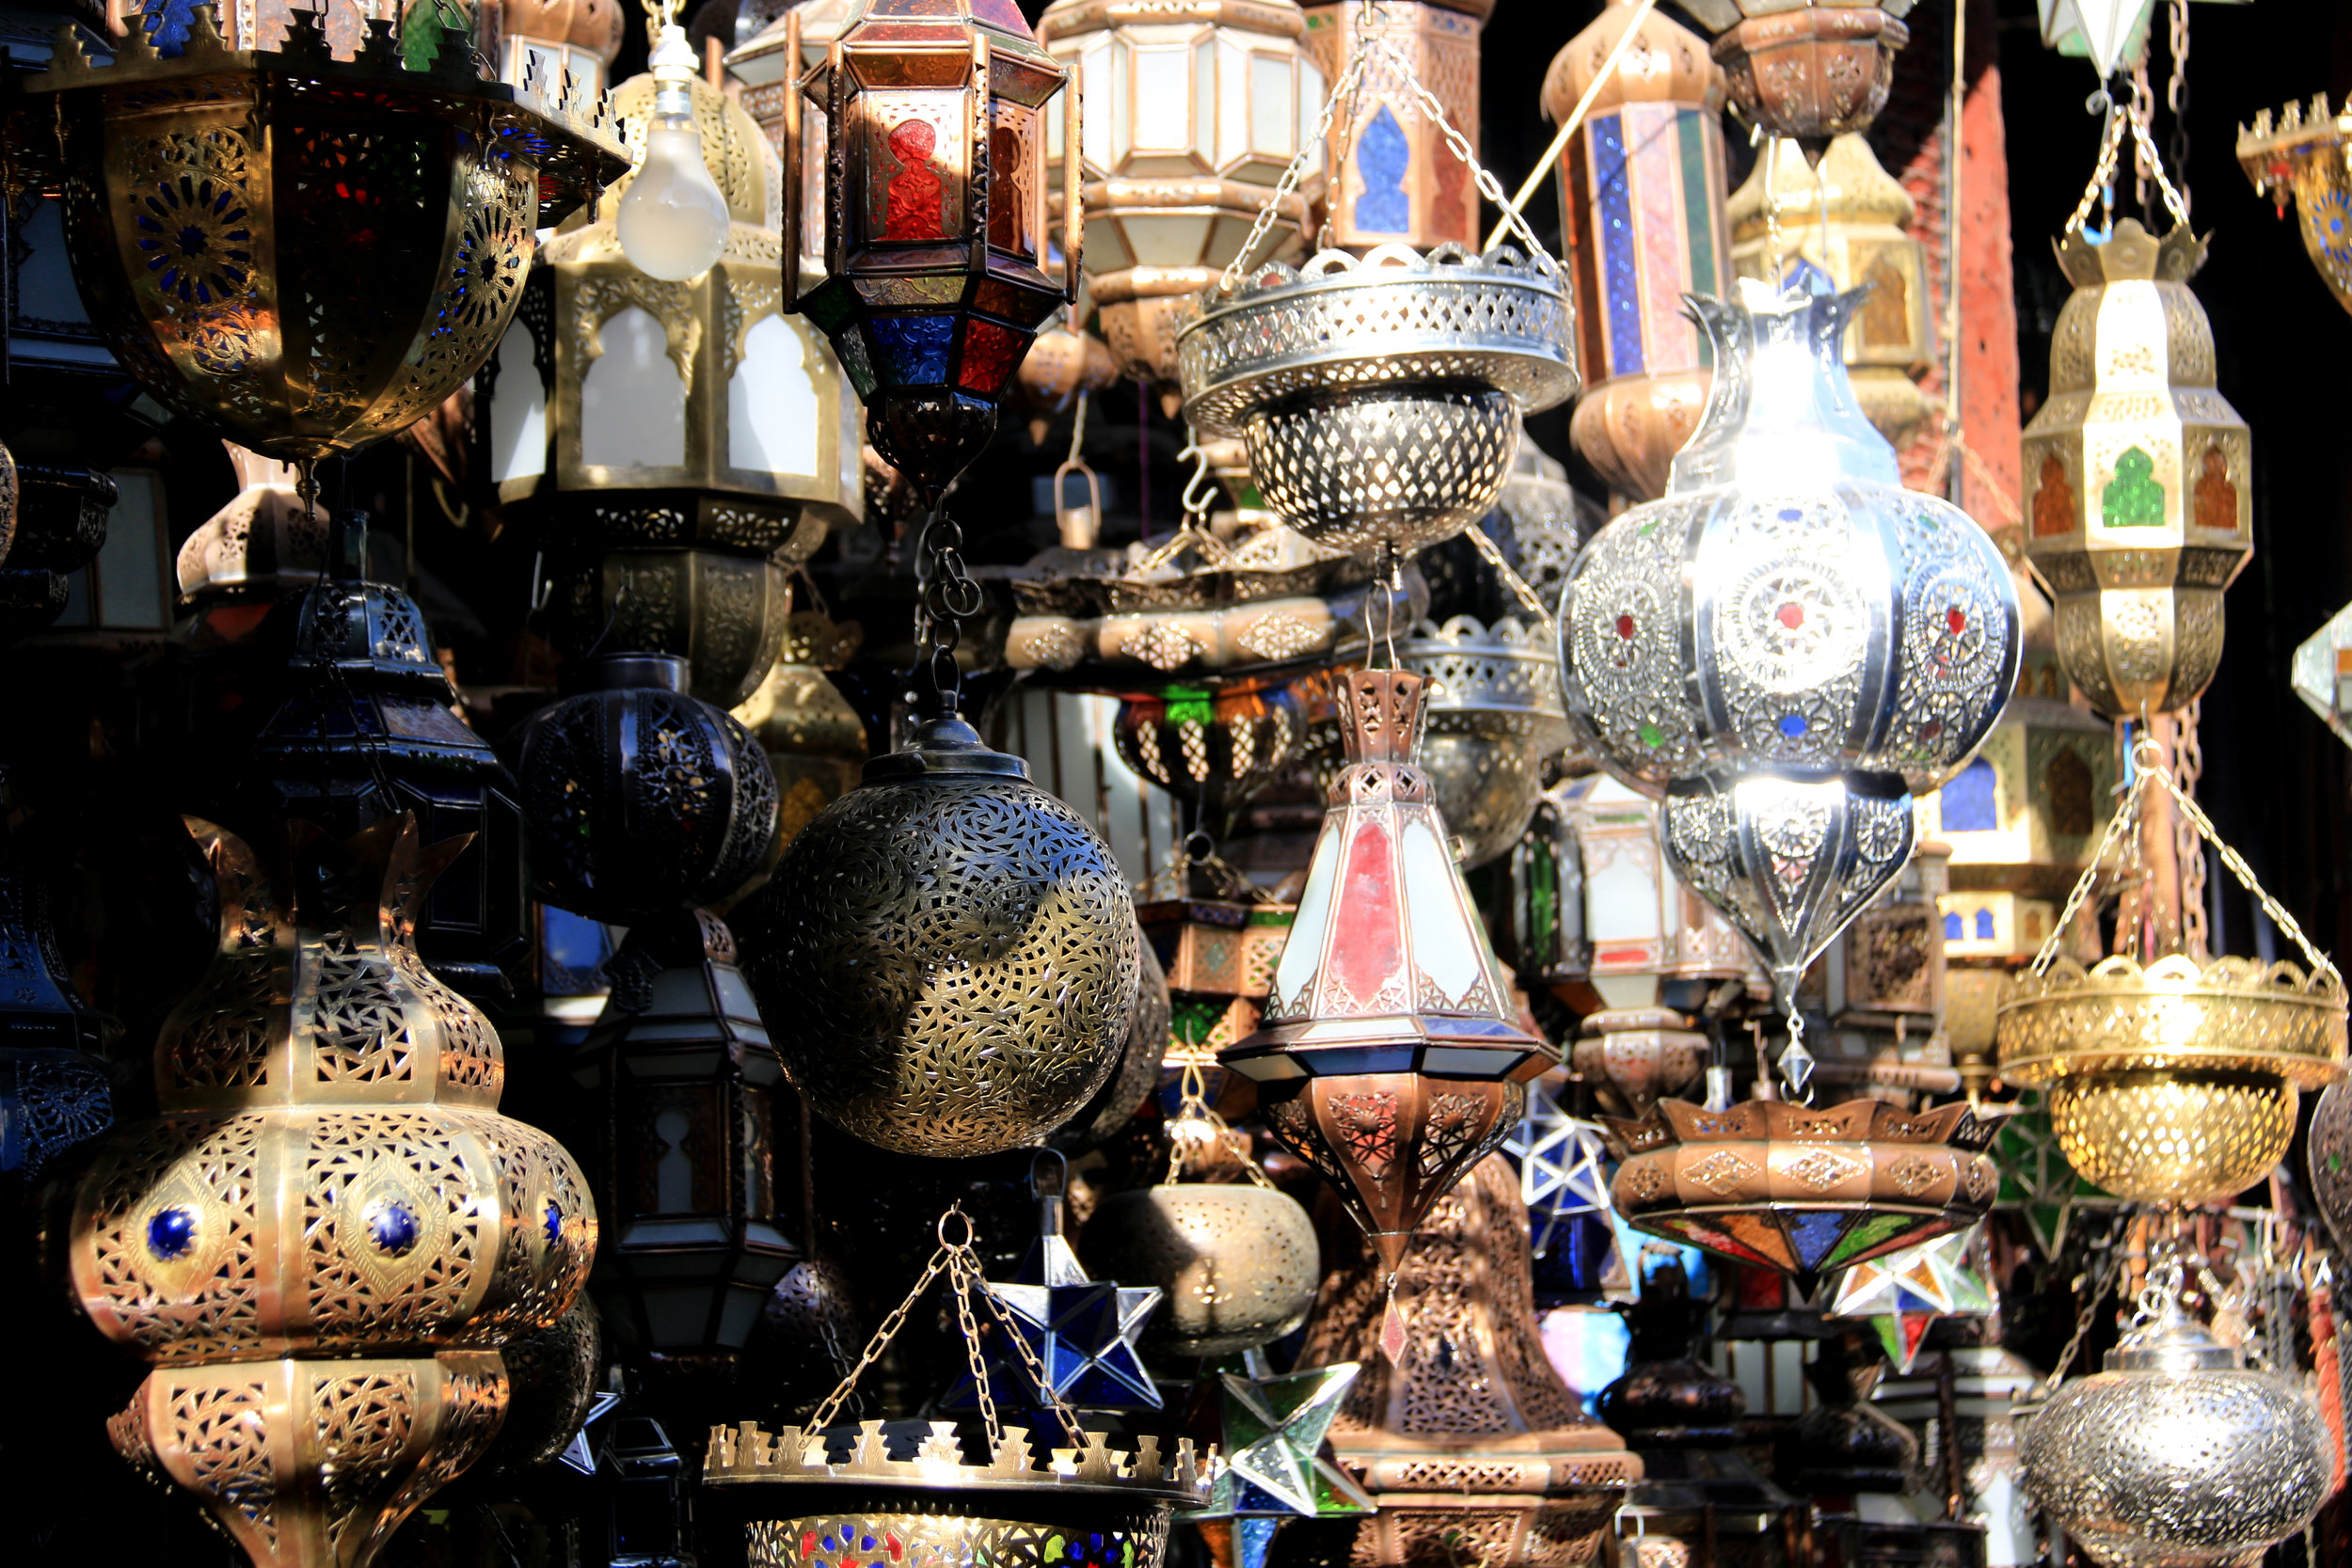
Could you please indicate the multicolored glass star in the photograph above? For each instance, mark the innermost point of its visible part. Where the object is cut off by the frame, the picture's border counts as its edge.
(1904, 1292)
(1563, 1168)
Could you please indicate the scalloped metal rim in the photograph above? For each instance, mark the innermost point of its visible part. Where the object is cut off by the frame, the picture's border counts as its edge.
(2315, 1008)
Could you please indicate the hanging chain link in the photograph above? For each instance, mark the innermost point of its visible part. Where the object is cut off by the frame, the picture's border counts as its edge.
(2176, 97)
(2188, 765)
(946, 596)
(2143, 113)
(1520, 586)
(1296, 170)
(2083, 1320)
(882, 1336)
(1196, 1123)
(1062, 1413)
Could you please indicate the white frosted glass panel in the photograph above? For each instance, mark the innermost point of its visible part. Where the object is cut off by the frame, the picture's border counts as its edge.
(1621, 904)
(1169, 241)
(1305, 949)
(772, 402)
(519, 412)
(1201, 134)
(1270, 116)
(1162, 98)
(1442, 945)
(1112, 117)
(1232, 109)
(1310, 111)
(632, 406)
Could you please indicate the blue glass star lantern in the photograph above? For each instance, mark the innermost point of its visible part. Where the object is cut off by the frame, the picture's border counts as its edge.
(1904, 1292)
(1564, 1168)
(1082, 1333)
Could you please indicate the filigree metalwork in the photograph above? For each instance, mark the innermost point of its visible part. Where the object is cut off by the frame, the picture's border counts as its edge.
(2298, 154)
(1236, 1262)
(307, 252)
(1495, 718)
(948, 953)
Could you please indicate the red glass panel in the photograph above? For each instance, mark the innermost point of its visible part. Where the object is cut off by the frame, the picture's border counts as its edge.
(1009, 191)
(1002, 14)
(1367, 950)
(992, 351)
(914, 194)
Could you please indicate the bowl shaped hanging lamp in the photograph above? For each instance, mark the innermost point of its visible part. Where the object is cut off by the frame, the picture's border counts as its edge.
(304, 253)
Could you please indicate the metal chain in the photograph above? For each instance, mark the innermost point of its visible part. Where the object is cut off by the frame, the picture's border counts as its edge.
(2126, 812)
(1350, 79)
(1518, 585)
(2176, 96)
(2143, 113)
(959, 1284)
(2103, 172)
(1063, 1412)
(1192, 1107)
(2235, 865)
(946, 598)
(1077, 433)
(2083, 1319)
(882, 1336)
(2188, 765)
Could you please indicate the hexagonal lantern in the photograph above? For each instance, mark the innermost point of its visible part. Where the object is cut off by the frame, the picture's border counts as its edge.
(1194, 109)
(2138, 499)
(1393, 176)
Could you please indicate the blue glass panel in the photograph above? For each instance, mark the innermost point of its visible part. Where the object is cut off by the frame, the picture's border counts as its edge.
(1382, 158)
(1968, 800)
(912, 350)
(1816, 1233)
(1621, 278)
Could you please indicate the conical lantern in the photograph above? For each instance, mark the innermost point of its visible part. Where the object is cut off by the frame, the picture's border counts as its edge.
(324, 1239)
(2138, 480)
(1789, 642)
(2177, 1454)
(947, 952)
(1809, 73)
(1389, 1056)
(1641, 198)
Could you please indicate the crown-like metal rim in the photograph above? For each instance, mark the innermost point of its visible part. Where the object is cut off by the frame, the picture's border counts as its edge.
(2119, 1017)
(747, 1453)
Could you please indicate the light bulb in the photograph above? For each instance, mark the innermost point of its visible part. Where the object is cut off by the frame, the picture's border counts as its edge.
(672, 221)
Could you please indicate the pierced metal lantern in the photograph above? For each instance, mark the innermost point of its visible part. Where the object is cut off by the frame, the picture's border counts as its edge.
(1808, 73)
(2138, 482)
(1641, 203)
(935, 218)
(1495, 718)
(307, 253)
(2299, 156)
(2177, 1454)
(1389, 1056)
(328, 1232)
(1212, 748)
(2330, 1159)
(1236, 1262)
(1789, 643)
(947, 953)
(1851, 220)
(1193, 111)
(638, 799)
(1380, 399)
(1394, 177)
(1803, 1191)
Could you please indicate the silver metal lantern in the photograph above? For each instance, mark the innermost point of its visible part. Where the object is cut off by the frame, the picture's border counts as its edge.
(1494, 720)
(2177, 1455)
(1788, 645)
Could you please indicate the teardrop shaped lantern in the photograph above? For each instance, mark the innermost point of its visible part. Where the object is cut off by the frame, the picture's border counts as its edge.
(1789, 643)
(1390, 1058)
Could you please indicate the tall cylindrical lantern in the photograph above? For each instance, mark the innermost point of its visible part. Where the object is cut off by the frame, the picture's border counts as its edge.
(1192, 111)
(1642, 209)
(1393, 178)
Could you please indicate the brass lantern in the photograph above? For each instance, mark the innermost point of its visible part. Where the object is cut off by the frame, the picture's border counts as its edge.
(2138, 481)
(1193, 109)
(1849, 218)
(1808, 72)
(2301, 158)
(770, 73)
(935, 233)
(1393, 178)
(308, 253)
(1641, 201)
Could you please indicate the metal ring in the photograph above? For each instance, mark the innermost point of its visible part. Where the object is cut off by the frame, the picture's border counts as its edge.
(1037, 1186)
(961, 597)
(955, 1211)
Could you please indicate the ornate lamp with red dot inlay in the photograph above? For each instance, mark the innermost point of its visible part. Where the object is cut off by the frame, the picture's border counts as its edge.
(936, 265)
(1788, 645)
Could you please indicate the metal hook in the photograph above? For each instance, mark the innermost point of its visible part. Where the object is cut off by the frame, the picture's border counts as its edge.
(1200, 490)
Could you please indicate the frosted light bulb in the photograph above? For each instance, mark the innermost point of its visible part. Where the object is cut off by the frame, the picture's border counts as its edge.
(672, 221)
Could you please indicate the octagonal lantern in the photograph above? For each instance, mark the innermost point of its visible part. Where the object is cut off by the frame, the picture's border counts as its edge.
(2138, 499)
(1394, 177)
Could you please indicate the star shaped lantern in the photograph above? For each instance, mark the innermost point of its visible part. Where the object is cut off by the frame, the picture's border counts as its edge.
(1274, 1431)
(1563, 1168)
(1903, 1292)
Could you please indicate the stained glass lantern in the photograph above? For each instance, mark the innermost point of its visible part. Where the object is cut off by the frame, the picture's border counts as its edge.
(1210, 747)
(1810, 72)
(1193, 111)
(1389, 1056)
(1851, 220)
(2299, 157)
(770, 73)
(328, 1232)
(551, 40)
(61, 524)
(398, 204)
(1495, 719)
(54, 1091)
(2138, 489)
(1801, 1191)
(1641, 199)
(947, 953)
(1395, 178)
(936, 260)
(1789, 642)
(2177, 1452)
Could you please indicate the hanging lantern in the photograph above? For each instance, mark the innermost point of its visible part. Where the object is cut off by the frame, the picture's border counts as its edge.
(407, 269)
(1212, 748)
(2329, 1158)
(1064, 364)
(1193, 110)
(1657, 953)
(1394, 177)
(1549, 520)
(59, 526)
(2174, 1079)
(814, 739)
(1389, 1056)
(1130, 1084)
(1379, 398)
(934, 219)
(1843, 1445)
(2176, 1453)
(266, 541)
(1642, 204)
(1851, 220)
(2299, 157)
(2322, 674)
(536, 41)
(949, 953)
(2139, 487)
(1801, 1190)
(1808, 73)
(770, 73)
(328, 1232)
(639, 799)
(1517, 1466)
(1494, 721)
(54, 1091)
(1789, 642)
